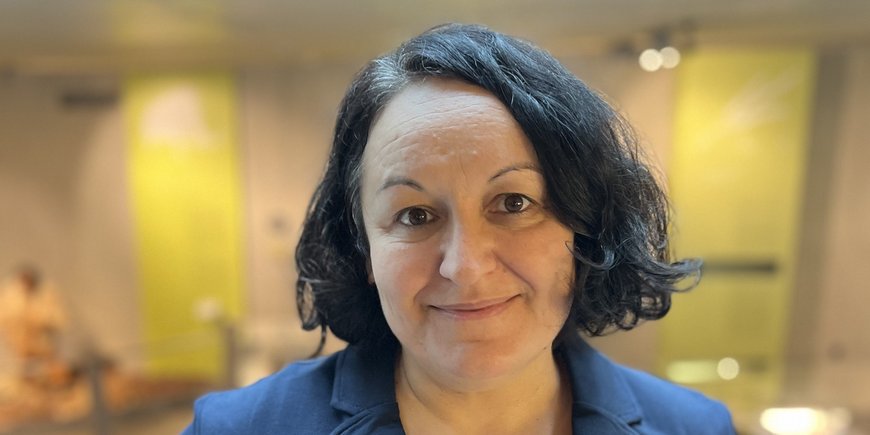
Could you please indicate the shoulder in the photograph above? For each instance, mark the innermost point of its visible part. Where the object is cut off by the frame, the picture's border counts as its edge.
(645, 403)
(293, 400)
(672, 409)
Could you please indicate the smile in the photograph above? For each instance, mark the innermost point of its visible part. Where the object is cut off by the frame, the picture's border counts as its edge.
(475, 310)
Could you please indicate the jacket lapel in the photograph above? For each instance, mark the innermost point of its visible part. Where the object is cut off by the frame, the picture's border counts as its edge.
(364, 389)
(603, 401)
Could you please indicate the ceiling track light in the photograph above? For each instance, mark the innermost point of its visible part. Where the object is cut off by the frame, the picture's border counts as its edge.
(661, 52)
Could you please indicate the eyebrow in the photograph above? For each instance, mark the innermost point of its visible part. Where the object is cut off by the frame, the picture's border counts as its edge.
(401, 181)
(405, 181)
(527, 166)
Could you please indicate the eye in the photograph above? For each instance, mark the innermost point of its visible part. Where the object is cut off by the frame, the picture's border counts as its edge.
(515, 203)
(415, 216)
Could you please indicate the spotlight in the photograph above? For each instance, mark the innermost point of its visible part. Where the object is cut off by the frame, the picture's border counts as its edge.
(670, 57)
(650, 60)
(728, 368)
(806, 421)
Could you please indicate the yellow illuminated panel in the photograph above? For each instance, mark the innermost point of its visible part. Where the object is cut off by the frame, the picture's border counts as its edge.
(185, 191)
(737, 179)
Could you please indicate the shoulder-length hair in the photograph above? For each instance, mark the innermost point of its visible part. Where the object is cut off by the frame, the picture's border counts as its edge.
(596, 182)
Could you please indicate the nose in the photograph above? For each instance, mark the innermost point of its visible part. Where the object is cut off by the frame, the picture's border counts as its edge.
(468, 253)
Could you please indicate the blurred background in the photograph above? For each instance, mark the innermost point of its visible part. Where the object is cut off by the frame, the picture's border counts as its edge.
(156, 159)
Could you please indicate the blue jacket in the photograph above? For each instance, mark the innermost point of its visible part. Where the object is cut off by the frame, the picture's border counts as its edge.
(353, 393)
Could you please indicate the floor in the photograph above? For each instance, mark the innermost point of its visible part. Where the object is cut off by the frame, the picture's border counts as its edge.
(167, 420)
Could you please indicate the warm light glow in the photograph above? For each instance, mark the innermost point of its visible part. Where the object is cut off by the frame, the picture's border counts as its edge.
(805, 421)
(792, 421)
(692, 371)
(728, 368)
(177, 117)
(650, 60)
(207, 309)
(670, 57)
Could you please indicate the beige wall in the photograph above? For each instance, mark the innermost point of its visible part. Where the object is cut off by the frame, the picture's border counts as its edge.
(64, 204)
(65, 170)
(646, 100)
(841, 342)
(287, 119)
(63, 190)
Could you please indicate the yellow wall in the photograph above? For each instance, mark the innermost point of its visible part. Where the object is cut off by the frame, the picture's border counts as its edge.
(186, 201)
(737, 174)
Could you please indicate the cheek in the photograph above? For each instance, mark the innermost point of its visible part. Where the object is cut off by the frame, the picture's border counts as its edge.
(563, 294)
(546, 264)
(400, 271)
(556, 292)
(560, 283)
(565, 273)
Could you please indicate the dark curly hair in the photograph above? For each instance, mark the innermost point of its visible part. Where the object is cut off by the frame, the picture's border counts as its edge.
(596, 182)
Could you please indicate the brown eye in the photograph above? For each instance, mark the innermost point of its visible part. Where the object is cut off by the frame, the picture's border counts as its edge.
(415, 216)
(515, 203)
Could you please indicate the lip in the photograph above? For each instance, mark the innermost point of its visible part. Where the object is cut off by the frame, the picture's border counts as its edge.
(475, 310)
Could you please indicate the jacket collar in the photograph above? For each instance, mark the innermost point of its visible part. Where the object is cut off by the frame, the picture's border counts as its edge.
(598, 384)
(364, 379)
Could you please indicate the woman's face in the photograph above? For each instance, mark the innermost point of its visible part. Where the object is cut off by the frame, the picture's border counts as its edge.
(474, 272)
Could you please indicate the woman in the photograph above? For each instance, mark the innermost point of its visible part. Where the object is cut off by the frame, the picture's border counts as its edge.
(480, 207)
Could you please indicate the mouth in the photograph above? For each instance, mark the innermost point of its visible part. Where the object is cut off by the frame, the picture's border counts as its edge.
(475, 310)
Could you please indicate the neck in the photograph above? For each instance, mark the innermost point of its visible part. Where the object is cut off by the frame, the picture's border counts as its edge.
(535, 400)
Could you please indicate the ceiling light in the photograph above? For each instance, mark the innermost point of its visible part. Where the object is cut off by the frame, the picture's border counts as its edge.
(670, 57)
(650, 60)
(728, 368)
(805, 421)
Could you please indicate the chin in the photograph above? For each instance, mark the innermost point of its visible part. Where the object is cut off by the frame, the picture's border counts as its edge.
(478, 364)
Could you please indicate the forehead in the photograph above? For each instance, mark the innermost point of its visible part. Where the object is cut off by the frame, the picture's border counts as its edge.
(434, 99)
(444, 118)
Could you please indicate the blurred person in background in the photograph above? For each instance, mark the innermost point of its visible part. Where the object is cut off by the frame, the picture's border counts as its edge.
(33, 322)
(481, 208)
